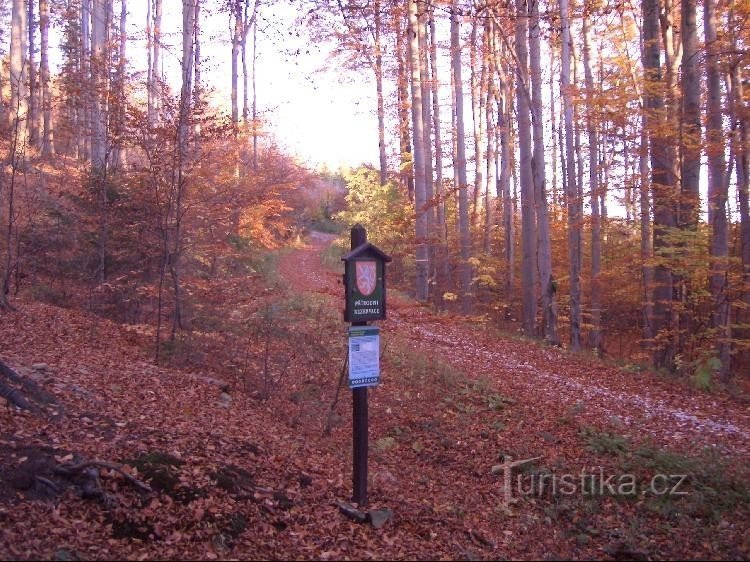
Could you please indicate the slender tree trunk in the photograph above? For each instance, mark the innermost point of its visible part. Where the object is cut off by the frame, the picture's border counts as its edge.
(440, 204)
(528, 215)
(427, 131)
(553, 125)
(739, 112)
(33, 123)
(460, 164)
(379, 91)
(647, 270)
(489, 105)
(47, 135)
(99, 65)
(544, 255)
(119, 159)
(420, 190)
(236, 40)
(18, 84)
(690, 130)
(255, 97)
(717, 192)
(87, 88)
(157, 73)
(662, 185)
(442, 270)
(403, 106)
(595, 338)
(476, 115)
(571, 187)
(508, 203)
(183, 131)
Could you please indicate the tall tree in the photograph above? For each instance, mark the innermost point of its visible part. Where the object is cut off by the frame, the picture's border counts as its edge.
(33, 123)
(662, 186)
(464, 266)
(420, 189)
(717, 190)
(528, 204)
(544, 250)
(571, 184)
(47, 133)
(595, 340)
(18, 82)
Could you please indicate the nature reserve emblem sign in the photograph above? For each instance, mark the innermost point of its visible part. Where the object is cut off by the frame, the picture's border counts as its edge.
(367, 276)
(364, 283)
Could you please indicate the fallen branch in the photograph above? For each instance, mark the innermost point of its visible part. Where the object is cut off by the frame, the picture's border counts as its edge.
(72, 470)
(329, 417)
(15, 398)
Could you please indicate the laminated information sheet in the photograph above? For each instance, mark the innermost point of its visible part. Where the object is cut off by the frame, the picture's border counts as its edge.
(364, 356)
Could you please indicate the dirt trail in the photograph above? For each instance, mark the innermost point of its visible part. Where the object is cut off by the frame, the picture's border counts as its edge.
(551, 381)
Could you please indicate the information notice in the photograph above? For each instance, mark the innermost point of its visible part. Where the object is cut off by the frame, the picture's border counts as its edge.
(364, 356)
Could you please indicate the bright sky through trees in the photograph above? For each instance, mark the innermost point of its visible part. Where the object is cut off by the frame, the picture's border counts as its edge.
(321, 115)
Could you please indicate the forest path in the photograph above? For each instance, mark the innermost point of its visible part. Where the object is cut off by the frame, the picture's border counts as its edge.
(548, 384)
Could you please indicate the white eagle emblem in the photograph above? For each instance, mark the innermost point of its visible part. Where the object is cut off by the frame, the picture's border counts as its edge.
(366, 277)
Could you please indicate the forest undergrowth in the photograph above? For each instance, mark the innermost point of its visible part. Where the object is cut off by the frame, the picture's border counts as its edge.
(236, 446)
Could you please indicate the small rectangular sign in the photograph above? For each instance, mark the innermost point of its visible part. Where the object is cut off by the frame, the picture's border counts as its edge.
(364, 356)
(365, 297)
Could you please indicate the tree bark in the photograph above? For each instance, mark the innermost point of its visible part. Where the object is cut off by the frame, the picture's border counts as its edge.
(405, 159)
(460, 164)
(717, 192)
(379, 94)
(420, 191)
(528, 215)
(544, 255)
(662, 186)
(47, 134)
(33, 123)
(595, 338)
(18, 83)
(571, 184)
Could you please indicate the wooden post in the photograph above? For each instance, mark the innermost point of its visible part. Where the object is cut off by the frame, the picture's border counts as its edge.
(359, 411)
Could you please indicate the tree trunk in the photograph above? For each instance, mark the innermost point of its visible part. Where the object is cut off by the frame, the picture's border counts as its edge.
(717, 192)
(476, 117)
(33, 123)
(186, 93)
(18, 84)
(255, 97)
(427, 131)
(528, 215)
(403, 106)
(118, 159)
(440, 228)
(99, 64)
(491, 156)
(379, 94)
(422, 216)
(544, 255)
(738, 119)
(460, 164)
(595, 338)
(690, 130)
(236, 40)
(662, 185)
(440, 204)
(47, 135)
(507, 171)
(571, 185)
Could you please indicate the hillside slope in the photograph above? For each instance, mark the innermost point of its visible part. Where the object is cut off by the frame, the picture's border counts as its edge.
(235, 476)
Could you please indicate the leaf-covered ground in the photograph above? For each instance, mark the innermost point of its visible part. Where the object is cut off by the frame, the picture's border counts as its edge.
(238, 474)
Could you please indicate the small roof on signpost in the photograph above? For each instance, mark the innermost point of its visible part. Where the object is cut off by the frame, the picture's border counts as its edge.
(369, 250)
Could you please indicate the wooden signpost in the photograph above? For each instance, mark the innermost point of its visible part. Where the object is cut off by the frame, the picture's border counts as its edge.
(364, 284)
